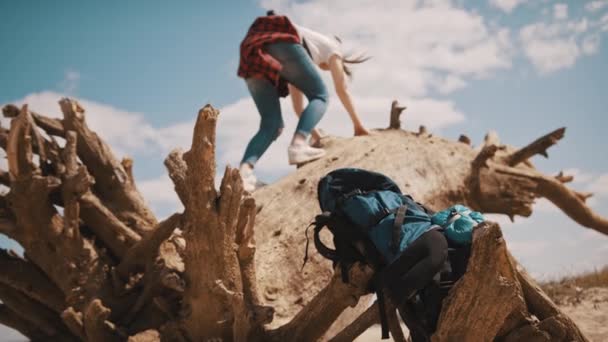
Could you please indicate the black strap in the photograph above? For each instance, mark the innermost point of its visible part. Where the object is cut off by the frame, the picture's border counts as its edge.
(399, 218)
(306, 47)
(319, 223)
(382, 308)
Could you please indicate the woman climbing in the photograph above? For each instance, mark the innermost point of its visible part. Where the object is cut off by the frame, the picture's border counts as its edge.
(272, 56)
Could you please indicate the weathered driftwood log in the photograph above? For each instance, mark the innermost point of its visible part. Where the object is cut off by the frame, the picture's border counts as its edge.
(99, 267)
(495, 299)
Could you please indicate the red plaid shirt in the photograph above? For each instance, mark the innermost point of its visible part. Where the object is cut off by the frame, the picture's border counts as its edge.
(255, 61)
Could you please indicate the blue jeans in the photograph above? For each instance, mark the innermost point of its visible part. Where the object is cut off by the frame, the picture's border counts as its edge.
(299, 70)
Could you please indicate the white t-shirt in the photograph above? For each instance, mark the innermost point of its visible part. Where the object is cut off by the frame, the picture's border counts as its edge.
(320, 46)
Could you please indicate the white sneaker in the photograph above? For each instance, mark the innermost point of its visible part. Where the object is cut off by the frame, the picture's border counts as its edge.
(249, 179)
(299, 154)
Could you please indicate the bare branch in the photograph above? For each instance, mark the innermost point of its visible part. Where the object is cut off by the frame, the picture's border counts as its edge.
(11, 319)
(308, 324)
(177, 168)
(464, 139)
(583, 196)
(542, 307)
(23, 276)
(127, 164)
(71, 213)
(19, 146)
(396, 110)
(486, 153)
(564, 178)
(149, 335)
(491, 138)
(368, 318)
(49, 125)
(201, 157)
(162, 274)
(112, 183)
(241, 325)
(115, 234)
(569, 201)
(147, 248)
(422, 131)
(42, 317)
(96, 325)
(73, 320)
(539, 146)
(246, 251)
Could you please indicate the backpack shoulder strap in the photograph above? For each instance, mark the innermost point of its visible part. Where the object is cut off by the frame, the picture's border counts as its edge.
(399, 218)
(319, 223)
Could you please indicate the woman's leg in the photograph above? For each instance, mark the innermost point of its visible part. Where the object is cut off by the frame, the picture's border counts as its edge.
(267, 102)
(416, 266)
(299, 70)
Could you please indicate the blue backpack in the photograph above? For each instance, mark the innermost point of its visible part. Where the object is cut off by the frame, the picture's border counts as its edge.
(458, 222)
(373, 207)
(372, 221)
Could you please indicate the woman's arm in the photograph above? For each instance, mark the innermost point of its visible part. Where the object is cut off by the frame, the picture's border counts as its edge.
(339, 78)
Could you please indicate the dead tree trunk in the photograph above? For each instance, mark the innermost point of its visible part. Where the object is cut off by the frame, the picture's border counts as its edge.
(99, 267)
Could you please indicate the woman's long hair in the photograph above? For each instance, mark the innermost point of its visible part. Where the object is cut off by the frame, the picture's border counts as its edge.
(351, 58)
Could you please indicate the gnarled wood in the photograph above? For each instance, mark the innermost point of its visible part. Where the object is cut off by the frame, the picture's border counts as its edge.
(43, 318)
(315, 318)
(11, 319)
(466, 315)
(210, 229)
(177, 168)
(538, 146)
(104, 270)
(112, 182)
(368, 318)
(497, 299)
(23, 276)
(97, 328)
(147, 248)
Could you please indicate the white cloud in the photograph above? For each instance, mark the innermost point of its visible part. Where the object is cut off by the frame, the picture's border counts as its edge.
(450, 84)
(545, 206)
(590, 44)
(159, 193)
(411, 49)
(558, 45)
(595, 6)
(579, 175)
(71, 81)
(506, 5)
(599, 185)
(552, 55)
(604, 23)
(128, 133)
(560, 11)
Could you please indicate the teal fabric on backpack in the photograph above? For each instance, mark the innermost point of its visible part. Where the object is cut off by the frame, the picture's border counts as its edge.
(375, 212)
(458, 222)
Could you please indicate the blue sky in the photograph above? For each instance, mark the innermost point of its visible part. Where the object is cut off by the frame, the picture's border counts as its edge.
(521, 67)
